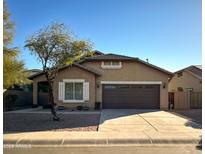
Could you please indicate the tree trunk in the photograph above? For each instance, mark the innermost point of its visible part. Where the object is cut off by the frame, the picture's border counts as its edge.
(51, 99)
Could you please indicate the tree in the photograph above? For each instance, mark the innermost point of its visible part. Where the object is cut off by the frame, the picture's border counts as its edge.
(14, 71)
(8, 30)
(55, 47)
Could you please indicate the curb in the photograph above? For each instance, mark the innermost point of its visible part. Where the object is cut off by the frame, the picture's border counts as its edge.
(104, 141)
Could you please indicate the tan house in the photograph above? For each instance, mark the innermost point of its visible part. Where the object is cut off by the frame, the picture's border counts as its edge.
(185, 88)
(116, 81)
(189, 78)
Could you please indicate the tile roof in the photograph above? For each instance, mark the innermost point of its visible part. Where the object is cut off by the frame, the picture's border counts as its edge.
(111, 56)
(198, 66)
(74, 64)
(92, 70)
(195, 69)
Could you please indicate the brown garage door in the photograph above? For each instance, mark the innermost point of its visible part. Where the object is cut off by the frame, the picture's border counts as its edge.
(131, 96)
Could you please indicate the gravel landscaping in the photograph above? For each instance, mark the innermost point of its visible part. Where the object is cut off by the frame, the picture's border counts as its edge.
(29, 122)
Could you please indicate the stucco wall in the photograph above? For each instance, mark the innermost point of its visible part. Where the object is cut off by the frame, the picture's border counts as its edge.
(131, 71)
(185, 81)
(76, 73)
(69, 73)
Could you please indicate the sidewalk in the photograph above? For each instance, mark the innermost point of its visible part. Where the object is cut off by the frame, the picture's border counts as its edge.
(102, 138)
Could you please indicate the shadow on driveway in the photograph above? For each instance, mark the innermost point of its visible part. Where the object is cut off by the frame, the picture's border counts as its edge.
(162, 121)
(194, 115)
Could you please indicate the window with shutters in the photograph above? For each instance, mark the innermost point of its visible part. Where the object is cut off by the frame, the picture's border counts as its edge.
(73, 90)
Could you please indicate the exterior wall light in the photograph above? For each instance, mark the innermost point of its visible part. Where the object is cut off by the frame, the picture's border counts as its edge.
(164, 85)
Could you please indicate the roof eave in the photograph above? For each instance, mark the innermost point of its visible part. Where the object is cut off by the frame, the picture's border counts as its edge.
(75, 64)
(134, 59)
(156, 67)
(35, 75)
(195, 75)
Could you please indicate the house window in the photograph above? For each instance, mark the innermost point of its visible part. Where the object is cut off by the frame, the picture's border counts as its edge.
(115, 63)
(107, 63)
(73, 90)
(111, 64)
(179, 74)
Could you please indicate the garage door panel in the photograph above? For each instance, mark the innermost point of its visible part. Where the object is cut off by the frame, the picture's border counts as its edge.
(131, 96)
(129, 106)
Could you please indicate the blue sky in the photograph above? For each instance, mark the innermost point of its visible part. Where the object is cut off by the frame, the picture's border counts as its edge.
(167, 32)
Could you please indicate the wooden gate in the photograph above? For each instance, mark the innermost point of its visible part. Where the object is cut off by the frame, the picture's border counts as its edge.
(186, 99)
(171, 97)
(196, 100)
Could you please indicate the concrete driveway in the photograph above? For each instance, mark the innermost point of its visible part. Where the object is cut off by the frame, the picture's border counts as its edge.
(119, 120)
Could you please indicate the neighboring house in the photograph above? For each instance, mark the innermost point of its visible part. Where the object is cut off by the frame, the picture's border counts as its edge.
(185, 88)
(116, 81)
(189, 78)
(33, 71)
